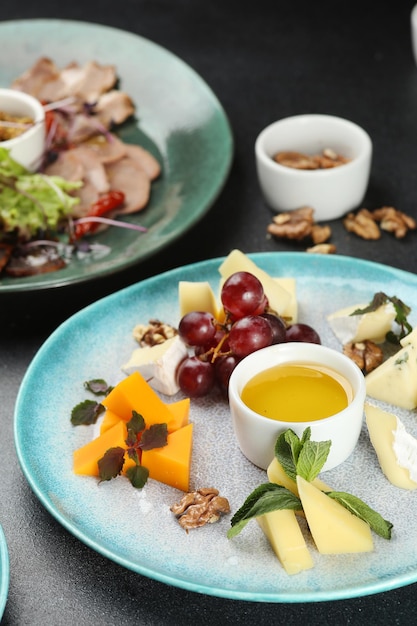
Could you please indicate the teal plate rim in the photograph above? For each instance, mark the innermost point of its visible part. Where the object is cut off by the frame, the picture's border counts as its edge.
(4, 571)
(179, 119)
(324, 284)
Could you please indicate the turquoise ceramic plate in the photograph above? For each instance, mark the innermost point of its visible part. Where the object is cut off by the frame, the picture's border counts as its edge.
(136, 528)
(179, 120)
(4, 572)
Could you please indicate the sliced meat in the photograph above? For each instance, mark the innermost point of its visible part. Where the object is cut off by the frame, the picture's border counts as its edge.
(129, 177)
(92, 81)
(67, 165)
(34, 79)
(144, 159)
(94, 171)
(109, 147)
(88, 195)
(114, 107)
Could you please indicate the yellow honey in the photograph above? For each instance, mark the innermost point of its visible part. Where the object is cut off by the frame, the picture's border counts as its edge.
(297, 392)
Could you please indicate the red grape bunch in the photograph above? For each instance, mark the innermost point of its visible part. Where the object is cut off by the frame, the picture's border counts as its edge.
(218, 346)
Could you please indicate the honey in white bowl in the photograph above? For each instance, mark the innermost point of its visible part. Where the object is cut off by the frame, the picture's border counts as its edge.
(297, 392)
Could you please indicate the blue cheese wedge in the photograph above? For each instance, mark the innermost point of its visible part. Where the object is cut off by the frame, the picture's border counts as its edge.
(158, 364)
(395, 448)
(395, 380)
(355, 328)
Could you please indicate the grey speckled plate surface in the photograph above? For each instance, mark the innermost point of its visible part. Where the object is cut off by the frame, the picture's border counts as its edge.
(179, 120)
(136, 528)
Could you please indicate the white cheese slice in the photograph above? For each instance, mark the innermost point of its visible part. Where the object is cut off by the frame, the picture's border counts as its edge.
(278, 297)
(395, 448)
(158, 364)
(335, 530)
(373, 325)
(285, 536)
(395, 380)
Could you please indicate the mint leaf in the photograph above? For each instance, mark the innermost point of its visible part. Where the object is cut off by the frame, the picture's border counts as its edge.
(312, 457)
(138, 476)
(111, 464)
(156, 436)
(97, 386)
(264, 499)
(86, 413)
(284, 454)
(359, 508)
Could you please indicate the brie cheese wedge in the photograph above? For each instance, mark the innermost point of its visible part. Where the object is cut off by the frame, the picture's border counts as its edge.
(158, 364)
(396, 449)
(353, 328)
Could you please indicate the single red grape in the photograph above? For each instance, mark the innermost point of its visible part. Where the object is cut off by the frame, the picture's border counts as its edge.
(302, 332)
(224, 366)
(197, 328)
(279, 328)
(242, 294)
(195, 377)
(250, 334)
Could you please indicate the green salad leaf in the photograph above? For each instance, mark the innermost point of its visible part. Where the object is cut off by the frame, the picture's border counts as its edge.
(30, 203)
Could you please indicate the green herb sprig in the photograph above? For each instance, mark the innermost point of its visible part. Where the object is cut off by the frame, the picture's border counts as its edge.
(304, 458)
(402, 310)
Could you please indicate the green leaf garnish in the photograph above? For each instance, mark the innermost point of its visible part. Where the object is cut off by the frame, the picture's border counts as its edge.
(138, 476)
(156, 436)
(312, 458)
(359, 508)
(97, 386)
(111, 464)
(86, 413)
(264, 499)
(401, 309)
(304, 458)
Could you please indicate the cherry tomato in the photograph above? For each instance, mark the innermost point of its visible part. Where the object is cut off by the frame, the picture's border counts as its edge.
(107, 202)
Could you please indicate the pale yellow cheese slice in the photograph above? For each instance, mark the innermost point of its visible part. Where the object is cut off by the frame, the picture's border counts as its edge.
(395, 380)
(276, 474)
(285, 536)
(334, 529)
(395, 449)
(197, 296)
(279, 298)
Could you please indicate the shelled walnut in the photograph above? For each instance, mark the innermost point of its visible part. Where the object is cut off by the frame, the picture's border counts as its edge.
(368, 224)
(366, 354)
(394, 221)
(198, 508)
(362, 224)
(298, 225)
(153, 333)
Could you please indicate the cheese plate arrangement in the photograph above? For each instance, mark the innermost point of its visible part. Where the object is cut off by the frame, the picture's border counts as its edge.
(95, 344)
(177, 119)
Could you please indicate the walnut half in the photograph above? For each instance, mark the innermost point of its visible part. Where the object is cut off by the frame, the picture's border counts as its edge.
(366, 354)
(198, 508)
(153, 333)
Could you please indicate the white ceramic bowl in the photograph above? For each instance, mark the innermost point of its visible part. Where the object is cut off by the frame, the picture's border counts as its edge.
(257, 434)
(330, 192)
(28, 148)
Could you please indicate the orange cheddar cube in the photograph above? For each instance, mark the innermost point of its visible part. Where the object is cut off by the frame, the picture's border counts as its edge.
(85, 459)
(135, 394)
(171, 464)
(110, 419)
(180, 410)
